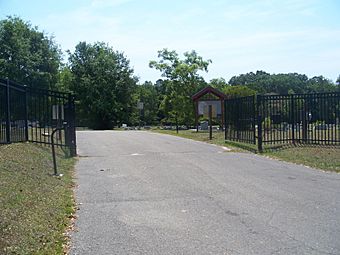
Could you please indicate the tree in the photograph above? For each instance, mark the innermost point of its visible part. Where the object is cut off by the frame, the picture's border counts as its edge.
(147, 93)
(182, 81)
(289, 83)
(338, 81)
(320, 84)
(239, 91)
(65, 79)
(161, 88)
(27, 55)
(218, 83)
(104, 85)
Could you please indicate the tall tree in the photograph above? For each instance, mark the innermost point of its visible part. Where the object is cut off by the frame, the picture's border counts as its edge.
(182, 79)
(147, 93)
(27, 55)
(162, 92)
(104, 85)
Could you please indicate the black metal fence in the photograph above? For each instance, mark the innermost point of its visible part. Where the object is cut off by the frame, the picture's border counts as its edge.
(12, 112)
(29, 114)
(278, 119)
(240, 119)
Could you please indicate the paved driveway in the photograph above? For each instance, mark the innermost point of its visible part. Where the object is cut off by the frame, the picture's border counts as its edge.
(146, 193)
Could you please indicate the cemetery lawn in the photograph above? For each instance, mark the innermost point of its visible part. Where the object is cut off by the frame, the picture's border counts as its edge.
(321, 157)
(325, 158)
(36, 208)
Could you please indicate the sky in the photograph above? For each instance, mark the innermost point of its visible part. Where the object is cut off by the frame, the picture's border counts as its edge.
(238, 36)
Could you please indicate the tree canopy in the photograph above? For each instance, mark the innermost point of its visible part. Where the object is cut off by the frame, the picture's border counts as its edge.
(27, 55)
(263, 83)
(148, 94)
(182, 80)
(103, 83)
(106, 88)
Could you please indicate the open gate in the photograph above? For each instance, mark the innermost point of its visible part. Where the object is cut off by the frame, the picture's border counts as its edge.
(29, 114)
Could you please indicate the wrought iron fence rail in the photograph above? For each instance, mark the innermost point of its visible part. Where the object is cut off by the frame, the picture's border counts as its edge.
(31, 114)
(48, 144)
(274, 119)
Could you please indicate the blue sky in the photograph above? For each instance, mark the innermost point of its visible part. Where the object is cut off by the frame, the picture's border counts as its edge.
(238, 36)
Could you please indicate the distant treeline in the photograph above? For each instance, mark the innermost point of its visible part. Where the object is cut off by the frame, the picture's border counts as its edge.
(107, 90)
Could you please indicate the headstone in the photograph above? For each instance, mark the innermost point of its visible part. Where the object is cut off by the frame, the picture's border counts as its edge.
(140, 105)
(204, 125)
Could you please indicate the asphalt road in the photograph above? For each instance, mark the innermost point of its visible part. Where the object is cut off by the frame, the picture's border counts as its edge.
(146, 193)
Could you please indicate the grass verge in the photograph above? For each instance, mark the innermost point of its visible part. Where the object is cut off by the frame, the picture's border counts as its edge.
(322, 157)
(36, 208)
(325, 158)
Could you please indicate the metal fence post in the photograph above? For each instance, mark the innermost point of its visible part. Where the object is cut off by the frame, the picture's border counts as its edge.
(304, 123)
(254, 118)
(259, 124)
(292, 118)
(225, 119)
(26, 112)
(210, 122)
(8, 113)
(71, 130)
(238, 124)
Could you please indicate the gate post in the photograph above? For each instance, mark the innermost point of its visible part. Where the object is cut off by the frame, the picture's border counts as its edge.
(8, 114)
(71, 130)
(210, 122)
(259, 124)
(225, 119)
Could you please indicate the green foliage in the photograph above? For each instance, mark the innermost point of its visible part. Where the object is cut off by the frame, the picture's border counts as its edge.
(104, 85)
(147, 93)
(219, 84)
(65, 79)
(161, 88)
(320, 84)
(27, 55)
(290, 83)
(238, 91)
(182, 80)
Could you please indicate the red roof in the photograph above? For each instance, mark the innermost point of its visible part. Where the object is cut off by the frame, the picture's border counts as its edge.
(207, 90)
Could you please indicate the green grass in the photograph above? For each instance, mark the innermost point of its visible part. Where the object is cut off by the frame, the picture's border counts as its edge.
(35, 207)
(321, 157)
(325, 158)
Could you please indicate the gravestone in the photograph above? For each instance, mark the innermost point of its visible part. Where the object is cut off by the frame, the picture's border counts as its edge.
(204, 125)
